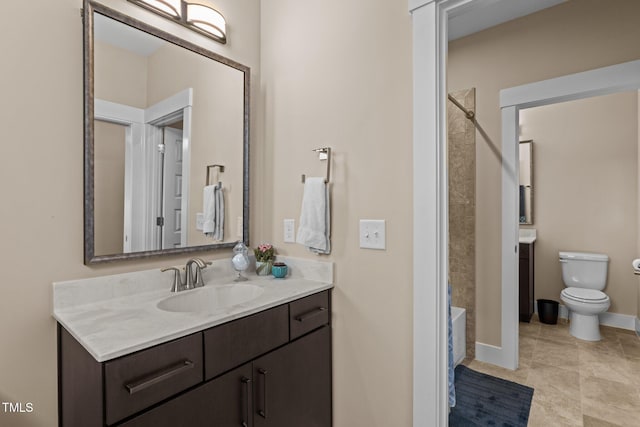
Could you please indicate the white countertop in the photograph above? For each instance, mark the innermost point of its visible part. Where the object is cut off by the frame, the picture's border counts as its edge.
(112, 316)
(527, 235)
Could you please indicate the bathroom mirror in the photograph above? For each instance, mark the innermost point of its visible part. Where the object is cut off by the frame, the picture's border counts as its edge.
(526, 182)
(163, 118)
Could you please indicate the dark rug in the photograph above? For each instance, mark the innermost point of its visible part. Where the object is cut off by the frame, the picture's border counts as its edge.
(483, 400)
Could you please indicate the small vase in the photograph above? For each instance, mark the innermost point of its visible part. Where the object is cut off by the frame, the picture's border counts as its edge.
(263, 268)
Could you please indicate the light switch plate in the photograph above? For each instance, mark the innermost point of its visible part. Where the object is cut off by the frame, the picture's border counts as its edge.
(289, 230)
(373, 234)
(199, 221)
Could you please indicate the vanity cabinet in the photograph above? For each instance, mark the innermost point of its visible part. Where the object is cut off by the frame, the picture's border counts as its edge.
(293, 384)
(272, 368)
(526, 281)
(225, 401)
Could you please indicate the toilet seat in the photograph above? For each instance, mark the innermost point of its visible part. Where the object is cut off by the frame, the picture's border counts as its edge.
(584, 295)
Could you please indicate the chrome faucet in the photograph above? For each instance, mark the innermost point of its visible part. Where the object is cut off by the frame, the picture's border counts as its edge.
(192, 279)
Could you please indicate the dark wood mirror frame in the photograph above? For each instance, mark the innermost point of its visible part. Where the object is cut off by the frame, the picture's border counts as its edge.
(89, 235)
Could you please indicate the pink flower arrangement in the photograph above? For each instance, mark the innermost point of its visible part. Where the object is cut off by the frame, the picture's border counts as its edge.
(265, 252)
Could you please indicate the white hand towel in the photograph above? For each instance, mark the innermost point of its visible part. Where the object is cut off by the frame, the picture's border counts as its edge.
(213, 209)
(209, 210)
(315, 221)
(219, 229)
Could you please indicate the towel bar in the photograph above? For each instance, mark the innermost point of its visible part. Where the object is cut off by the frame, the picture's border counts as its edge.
(209, 170)
(324, 153)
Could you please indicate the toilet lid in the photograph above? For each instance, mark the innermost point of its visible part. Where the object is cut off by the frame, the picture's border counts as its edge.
(585, 295)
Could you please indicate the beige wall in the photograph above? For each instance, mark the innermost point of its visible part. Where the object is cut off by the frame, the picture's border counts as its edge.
(43, 186)
(330, 78)
(585, 189)
(108, 188)
(575, 36)
(120, 75)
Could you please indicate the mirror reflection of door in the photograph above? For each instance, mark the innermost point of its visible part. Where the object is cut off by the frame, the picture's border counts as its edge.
(172, 188)
(148, 151)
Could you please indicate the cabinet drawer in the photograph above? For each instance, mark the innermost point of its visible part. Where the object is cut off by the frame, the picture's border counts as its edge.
(234, 343)
(308, 313)
(137, 381)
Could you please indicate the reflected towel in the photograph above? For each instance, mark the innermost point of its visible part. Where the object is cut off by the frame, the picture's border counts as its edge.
(218, 233)
(213, 209)
(315, 220)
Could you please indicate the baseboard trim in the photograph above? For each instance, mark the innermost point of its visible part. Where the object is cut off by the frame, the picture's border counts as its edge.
(622, 321)
(563, 312)
(489, 353)
(615, 320)
(637, 326)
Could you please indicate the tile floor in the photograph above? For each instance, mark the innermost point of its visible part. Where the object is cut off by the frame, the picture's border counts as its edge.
(576, 383)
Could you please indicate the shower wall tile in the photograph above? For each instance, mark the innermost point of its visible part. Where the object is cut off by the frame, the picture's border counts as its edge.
(461, 152)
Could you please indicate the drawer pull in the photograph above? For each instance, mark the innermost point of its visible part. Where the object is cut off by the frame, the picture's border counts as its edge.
(159, 376)
(245, 402)
(310, 314)
(263, 412)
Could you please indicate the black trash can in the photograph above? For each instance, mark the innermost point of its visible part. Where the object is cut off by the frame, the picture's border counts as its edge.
(548, 311)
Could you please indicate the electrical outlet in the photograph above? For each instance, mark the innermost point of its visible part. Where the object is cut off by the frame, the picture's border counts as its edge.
(373, 234)
(289, 230)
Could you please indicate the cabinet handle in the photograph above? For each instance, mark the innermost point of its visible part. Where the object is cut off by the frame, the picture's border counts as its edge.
(310, 314)
(245, 418)
(159, 376)
(263, 412)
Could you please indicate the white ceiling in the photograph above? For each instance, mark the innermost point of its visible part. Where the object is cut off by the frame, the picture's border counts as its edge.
(120, 35)
(484, 14)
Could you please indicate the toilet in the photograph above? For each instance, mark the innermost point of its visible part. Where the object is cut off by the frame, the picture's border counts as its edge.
(585, 276)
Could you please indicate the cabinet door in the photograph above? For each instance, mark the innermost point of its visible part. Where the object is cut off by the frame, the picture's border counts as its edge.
(526, 282)
(223, 402)
(292, 385)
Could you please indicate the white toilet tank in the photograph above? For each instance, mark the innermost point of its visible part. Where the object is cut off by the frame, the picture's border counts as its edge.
(584, 270)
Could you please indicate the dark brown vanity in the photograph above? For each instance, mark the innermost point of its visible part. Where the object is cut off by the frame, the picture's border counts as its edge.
(272, 368)
(526, 281)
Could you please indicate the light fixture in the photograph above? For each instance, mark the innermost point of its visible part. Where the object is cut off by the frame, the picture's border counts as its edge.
(198, 17)
(206, 19)
(168, 8)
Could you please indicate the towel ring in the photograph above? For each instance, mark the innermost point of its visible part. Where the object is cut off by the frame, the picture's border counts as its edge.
(221, 167)
(324, 153)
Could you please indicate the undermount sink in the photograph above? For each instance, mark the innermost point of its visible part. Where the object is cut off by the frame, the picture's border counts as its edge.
(210, 298)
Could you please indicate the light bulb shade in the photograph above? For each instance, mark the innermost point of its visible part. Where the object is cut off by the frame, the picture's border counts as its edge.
(172, 8)
(207, 20)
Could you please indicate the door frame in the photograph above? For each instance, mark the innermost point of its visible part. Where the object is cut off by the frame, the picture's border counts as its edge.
(141, 171)
(133, 120)
(158, 114)
(430, 228)
(587, 84)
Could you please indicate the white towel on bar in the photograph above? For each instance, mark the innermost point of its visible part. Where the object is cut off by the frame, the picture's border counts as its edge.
(314, 231)
(213, 210)
(218, 234)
